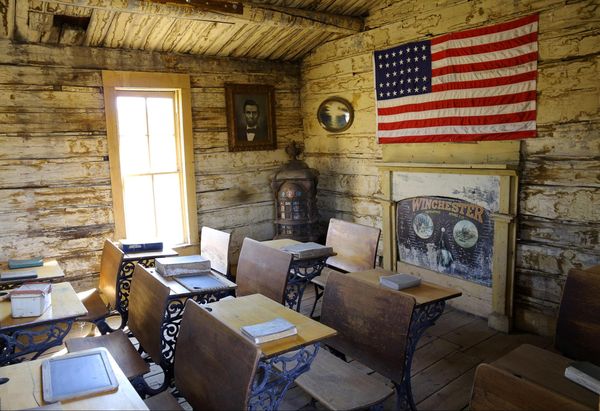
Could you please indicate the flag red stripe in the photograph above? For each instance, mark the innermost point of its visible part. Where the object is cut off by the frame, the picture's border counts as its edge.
(460, 103)
(460, 121)
(485, 65)
(485, 48)
(489, 82)
(440, 138)
(486, 30)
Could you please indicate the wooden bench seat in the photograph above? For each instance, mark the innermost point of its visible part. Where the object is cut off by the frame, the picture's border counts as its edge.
(341, 386)
(372, 324)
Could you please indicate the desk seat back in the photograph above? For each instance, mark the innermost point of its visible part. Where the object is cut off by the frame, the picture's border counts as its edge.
(372, 323)
(214, 365)
(214, 245)
(262, 270)
(355, 245)
(110, 264)
(147, 306)
(578, 326)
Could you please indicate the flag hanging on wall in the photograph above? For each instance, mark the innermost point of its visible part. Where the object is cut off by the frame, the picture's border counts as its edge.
(473, 85)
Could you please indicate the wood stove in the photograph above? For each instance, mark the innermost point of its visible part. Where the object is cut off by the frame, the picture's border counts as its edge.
(295, 190)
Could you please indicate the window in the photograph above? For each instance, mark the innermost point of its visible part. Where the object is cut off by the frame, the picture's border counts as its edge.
(151, 156)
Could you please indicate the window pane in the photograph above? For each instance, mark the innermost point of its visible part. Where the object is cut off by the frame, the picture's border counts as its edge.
(163, 151)
(133, 140)
(139, 207)
(167, 194)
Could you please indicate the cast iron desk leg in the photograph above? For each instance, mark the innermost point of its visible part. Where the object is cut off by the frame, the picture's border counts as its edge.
(18, 343)
(275, 375)
(301, 273)
(423, 317)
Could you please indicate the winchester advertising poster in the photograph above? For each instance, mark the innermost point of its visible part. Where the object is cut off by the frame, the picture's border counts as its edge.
(446, 235)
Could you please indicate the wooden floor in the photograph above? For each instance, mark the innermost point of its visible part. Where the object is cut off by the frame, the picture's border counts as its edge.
(443, 366)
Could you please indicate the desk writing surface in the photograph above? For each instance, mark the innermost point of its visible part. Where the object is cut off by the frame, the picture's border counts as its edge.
(546, 369)
(65, 305)
(425, 293)
(24, 390)
(178, 289)
(282, 242)
(48, 271)
(256, 308)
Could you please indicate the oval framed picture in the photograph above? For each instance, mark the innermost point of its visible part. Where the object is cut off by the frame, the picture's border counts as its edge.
(335, 114)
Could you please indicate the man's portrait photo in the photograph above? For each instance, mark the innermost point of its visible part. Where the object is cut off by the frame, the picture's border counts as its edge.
(250, 115)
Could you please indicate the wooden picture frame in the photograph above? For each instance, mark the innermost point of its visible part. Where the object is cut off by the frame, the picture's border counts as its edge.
(250, 117)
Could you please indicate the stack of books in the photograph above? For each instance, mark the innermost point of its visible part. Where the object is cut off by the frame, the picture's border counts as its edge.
(586, 374)
(182, 265)
(399, 281)
(308, 250)
(269, 331)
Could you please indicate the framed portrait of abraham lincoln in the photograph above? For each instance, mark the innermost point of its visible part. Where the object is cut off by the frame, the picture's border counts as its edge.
(250, 117)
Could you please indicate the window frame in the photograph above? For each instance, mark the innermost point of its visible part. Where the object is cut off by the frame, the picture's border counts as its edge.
(115, 81)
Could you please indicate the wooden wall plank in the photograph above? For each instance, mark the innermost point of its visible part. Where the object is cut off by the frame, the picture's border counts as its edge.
(55, 193)
(560, 175)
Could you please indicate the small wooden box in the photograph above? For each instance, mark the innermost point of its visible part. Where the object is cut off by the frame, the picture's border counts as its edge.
(30, 300)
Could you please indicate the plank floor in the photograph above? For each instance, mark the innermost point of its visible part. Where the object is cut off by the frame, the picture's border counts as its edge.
(443, 366)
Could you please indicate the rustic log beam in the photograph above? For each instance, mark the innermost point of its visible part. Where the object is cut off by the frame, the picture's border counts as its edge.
(251, 13)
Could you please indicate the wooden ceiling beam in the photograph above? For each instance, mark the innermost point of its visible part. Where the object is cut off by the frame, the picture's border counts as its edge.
(251, 13)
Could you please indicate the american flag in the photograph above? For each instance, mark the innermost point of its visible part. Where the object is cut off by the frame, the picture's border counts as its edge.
(478, 84)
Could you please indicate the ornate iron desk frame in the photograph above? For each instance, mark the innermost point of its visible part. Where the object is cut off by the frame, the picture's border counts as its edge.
(424, 316)
(302, 271)
(35, 339)
(275, 375)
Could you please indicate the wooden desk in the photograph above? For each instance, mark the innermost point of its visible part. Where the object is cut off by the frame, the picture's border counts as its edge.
(425, 293)
(36, 334)
(147, 259)
(430, 302)
(302, 271)
(295, 352)
(174, 313)
(48, 272)
(24, 390)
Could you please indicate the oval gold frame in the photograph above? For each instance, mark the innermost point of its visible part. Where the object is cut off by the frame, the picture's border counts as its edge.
(329, 125)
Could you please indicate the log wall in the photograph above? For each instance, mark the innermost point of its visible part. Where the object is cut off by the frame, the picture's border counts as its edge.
(55, 195)
(559, 193)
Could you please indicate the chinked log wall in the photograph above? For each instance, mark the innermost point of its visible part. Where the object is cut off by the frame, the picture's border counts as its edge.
(559, 221)
(55, 196)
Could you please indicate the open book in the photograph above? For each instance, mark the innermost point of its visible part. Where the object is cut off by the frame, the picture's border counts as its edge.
(269, 330)
(586, 374)
(399, 281)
